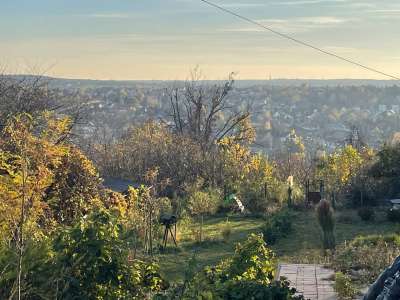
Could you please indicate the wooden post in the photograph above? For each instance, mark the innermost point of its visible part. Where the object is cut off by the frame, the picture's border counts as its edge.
(165, 238)
(290, 196)
(151, 234)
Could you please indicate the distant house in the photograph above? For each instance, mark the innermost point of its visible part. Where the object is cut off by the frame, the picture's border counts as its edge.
(395, 139)
(395, 203)
(118, 184)
(382, 108)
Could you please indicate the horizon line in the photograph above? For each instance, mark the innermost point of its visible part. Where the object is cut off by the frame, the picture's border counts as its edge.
(174, 80)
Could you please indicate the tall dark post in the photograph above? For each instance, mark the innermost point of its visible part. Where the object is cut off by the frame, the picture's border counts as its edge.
(225, 192)
(322, 189)
(265, 190)
(175, 230)
(362, 198)
(290, 190)
(307, 196)
(363, 177)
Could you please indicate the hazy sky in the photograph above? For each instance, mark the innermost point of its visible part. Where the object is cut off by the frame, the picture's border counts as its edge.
(164, 39)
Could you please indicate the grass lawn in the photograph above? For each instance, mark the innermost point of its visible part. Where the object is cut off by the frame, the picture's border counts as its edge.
(304, 244)
(301, 246)
(212, 250)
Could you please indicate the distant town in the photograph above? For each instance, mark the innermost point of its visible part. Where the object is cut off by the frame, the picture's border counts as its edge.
(323, 113)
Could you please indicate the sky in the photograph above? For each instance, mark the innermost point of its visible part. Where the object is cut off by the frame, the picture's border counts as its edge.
(165, 39)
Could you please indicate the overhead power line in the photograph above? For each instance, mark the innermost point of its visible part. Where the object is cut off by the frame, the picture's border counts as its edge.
(306, 44)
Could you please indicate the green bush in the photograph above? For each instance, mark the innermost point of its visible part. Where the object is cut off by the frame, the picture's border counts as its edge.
(375, 240)
(204, 202)
(366, 214)
(344, 287)
(89, 260)
(93, 262)
(253, 195)
(37, 270)
(248, 274)
(201, 203)
(393, 215)
(277, 226)
(366, 256)
(226, 231)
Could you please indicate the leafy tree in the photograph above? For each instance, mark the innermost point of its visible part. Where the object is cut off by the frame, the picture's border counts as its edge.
(27, 163)
(75, 186)
(201, 203)
(140, 213)
(148, 147)
(386, 171)
(294, 143)
(32, 157)
(40, 167)
(339, 169)
(295, 165)
(248, 174)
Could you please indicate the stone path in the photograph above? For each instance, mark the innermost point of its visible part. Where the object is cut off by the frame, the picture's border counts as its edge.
(314, 282)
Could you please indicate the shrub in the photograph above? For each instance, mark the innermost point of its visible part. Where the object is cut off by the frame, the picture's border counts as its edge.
(253, 195)
(344, 287)
(366, 256)
(366, 214)
(93, 259)
(89, 260)
(248, 274)
(38, 268)
(375, 240)
(253, 199)
(277, 226)
(346, 218)
(196, 234)
(327, 223)
(203, 203)
(393, 215)
(226, 231)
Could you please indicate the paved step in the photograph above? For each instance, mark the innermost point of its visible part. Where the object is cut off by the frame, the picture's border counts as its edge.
(314, 282)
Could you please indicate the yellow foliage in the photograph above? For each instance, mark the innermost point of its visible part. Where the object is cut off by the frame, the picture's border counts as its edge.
(35, 165)
(243, 166)
(338, 168)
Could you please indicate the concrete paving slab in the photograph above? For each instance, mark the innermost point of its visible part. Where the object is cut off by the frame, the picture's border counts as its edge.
(314, 282)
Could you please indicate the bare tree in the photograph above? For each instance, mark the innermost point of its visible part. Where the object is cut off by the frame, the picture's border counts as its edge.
(32, 94)
(202, 111)
(27, 94)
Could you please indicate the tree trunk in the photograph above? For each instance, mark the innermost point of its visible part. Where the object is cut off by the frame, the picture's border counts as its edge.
(21, 225)
(201, 228)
